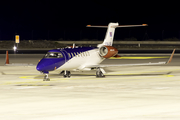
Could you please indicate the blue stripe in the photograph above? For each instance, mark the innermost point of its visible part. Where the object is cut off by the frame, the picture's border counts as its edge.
(72, 50)
(49, 64)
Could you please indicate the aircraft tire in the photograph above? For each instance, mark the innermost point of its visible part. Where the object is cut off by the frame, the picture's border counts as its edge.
(46, 78)
(68, 74)
(99, 74)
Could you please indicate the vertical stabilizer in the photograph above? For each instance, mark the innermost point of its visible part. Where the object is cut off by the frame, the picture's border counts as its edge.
(108, 40)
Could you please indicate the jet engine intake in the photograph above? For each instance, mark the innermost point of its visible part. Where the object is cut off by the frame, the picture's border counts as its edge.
(108, 51)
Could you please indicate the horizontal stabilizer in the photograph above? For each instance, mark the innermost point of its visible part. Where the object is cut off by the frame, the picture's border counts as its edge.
(115, 26)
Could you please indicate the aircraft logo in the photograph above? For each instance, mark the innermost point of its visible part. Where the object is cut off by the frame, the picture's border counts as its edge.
(110, 34)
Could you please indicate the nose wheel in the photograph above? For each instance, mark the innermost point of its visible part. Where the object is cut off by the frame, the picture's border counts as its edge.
(46, 78)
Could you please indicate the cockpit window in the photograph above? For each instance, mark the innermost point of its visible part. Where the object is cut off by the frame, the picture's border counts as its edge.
(53, 55)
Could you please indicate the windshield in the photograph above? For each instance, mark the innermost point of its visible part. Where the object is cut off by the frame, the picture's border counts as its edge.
(53, 55)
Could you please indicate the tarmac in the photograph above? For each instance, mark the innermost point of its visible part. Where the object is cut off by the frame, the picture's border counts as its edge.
(128, 93)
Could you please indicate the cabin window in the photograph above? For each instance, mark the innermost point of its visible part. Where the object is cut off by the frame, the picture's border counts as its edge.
(53, 55)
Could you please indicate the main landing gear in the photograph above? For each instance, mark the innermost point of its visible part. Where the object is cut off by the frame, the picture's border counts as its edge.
(100, 73)
(66, 73)
(46, 78)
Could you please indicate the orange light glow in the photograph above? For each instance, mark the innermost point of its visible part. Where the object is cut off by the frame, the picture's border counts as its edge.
(88, 25)
(144, 24)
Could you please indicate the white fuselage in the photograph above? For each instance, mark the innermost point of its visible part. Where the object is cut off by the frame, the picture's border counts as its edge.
(81, 61)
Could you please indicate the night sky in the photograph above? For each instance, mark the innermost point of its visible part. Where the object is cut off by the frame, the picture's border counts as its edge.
(50, 19)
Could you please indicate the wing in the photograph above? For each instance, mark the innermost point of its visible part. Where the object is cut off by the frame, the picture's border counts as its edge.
(139, 64)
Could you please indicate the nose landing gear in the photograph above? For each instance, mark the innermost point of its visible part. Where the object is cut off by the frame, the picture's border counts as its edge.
(46, 78)
(65, 74)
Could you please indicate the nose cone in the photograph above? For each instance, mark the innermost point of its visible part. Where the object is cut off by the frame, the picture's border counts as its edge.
(48, 65)
(39, 67)
(43, 65)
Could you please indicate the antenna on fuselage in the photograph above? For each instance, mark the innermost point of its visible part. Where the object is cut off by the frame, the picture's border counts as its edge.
(73, 45)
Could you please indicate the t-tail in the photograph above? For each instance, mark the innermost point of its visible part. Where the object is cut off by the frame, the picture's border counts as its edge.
(108, 40)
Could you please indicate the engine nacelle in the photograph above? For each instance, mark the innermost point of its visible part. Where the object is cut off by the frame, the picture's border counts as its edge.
(107, 51)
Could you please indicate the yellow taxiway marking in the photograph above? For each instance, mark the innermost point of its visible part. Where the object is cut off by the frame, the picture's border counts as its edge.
(27, 77)
(138, 57)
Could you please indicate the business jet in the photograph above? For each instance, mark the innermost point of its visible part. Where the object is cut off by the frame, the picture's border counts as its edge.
(75, 58)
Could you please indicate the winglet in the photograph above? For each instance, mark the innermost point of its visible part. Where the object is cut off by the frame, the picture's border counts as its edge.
(171, 57)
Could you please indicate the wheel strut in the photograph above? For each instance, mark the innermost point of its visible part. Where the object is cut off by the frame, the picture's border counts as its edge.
(67, 74)
(46, 78)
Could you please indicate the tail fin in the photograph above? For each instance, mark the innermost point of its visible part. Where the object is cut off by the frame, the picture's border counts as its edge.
(108, 40)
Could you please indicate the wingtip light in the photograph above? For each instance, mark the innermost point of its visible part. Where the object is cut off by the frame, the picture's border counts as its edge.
(145, 24)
